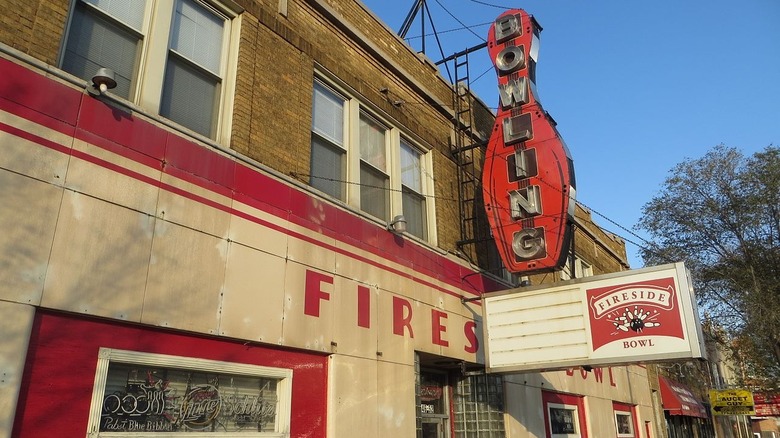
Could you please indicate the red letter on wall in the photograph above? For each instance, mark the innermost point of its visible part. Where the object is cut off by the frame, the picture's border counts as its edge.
(364, 306)
(402, 316)
(470, 330)
(314, 293)
(438, 328)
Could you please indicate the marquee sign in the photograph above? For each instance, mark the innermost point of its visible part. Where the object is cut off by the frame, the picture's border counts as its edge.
(626, 317)
(528, 176)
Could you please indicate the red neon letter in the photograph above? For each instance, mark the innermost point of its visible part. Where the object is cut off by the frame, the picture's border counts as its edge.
(399, 320)
(438, 327)
(364, 306)
(314, 292)
(470, 330)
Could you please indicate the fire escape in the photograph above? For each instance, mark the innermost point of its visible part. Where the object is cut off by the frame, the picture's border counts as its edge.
(468, 151)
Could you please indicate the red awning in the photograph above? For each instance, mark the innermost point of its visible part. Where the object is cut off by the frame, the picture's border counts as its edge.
(679, 400)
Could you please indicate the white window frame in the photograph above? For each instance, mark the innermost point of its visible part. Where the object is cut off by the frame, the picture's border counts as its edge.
(630, 415)
(388, 140)
(146, 87)
(353, 108)
(576, 416)
(582, 269)
(108, 355)
(426, 184)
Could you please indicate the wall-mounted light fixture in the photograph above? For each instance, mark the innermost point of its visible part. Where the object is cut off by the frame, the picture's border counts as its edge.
(397, 225)
(102, 81)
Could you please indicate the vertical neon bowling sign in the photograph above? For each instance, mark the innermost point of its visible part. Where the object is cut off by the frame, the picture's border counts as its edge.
(528, 176)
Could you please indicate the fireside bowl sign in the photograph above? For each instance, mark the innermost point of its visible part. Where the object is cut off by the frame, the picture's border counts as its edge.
(633, 316)
(528, 176)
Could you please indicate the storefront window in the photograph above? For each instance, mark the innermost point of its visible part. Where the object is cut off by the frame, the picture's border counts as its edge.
(479, 407)
(141, 394)
(564, 415)
(624, 420)
(563, 421)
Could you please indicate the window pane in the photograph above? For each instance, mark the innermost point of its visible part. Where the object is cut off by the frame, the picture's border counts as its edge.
(129, 12)
(374, 193)
(412, 198)
(372, 143)
(478, 407)
(94, 42)
(563, 421)
(197, 35)
(414, 212)
(143, 399)
(189, 96)
(328, 114)
(327, 168)
(411, 170)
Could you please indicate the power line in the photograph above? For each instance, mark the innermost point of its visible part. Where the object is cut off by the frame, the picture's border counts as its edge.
(458, 20)
(644, 245)
(493, 5)
(448, 31)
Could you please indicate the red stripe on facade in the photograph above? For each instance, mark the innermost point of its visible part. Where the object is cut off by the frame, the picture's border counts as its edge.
(114, 130)
(216, 205)
(29, 136)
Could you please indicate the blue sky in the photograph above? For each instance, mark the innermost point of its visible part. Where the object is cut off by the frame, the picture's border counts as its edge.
(635, 86)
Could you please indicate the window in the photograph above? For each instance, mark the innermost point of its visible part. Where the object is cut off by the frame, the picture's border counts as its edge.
(582, 269)
(478, 404)
(624, 420)
(361, 159)
(170, 57)
(105, 34)
(412, 191)
(328, 148)
(374, 182)
(563, 420)
(564, 415)
(143, 394)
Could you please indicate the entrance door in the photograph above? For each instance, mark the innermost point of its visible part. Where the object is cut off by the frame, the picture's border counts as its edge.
(433, 427)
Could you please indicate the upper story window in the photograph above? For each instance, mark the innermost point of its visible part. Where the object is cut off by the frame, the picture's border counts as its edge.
(581, 269)
(413, 199)
(374, 180)
(362, 160)
(328, 146)
(170, 57)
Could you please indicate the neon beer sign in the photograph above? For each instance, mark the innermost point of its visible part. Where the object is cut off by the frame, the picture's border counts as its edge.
(528, 176)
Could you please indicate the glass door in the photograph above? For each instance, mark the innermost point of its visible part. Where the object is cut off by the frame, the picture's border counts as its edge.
(434, 427)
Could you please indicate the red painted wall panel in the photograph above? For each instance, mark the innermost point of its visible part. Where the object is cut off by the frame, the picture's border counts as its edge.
(61, 363)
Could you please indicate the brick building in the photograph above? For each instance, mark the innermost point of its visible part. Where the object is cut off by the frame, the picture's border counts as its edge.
(206, 246)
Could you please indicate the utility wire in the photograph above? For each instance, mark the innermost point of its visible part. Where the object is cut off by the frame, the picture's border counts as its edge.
(448, 31)
(493, 5)
(459, 22)
(478, 186)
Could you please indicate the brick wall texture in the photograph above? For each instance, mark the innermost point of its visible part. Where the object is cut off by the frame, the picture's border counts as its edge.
(278, 58)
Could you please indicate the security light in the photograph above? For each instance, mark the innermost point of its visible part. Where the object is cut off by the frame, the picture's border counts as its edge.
(103, 80)
(397, 225)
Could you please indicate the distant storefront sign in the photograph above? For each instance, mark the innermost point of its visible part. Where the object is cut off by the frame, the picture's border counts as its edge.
(732, 402)
(767, 405)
